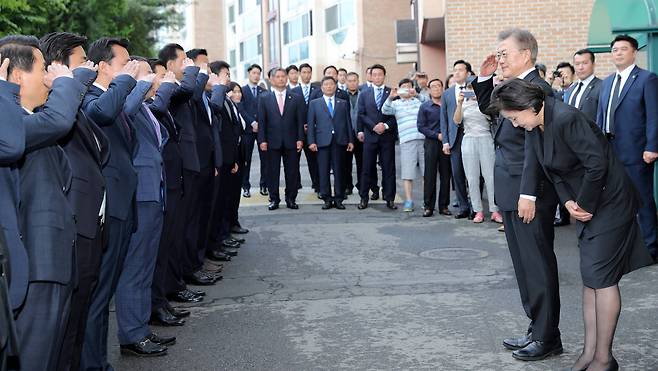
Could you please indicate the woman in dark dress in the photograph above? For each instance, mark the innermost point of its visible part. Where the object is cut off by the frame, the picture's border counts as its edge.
(594, 187)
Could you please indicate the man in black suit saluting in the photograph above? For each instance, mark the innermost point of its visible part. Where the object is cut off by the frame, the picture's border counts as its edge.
(330, 134)
(527, 200)
(281, 135)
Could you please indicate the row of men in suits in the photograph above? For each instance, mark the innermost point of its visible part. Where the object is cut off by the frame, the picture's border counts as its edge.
(120, 175)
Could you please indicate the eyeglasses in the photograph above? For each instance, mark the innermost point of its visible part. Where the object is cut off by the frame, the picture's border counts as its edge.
(503, 54)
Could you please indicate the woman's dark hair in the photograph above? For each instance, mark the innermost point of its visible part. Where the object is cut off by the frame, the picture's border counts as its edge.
(58, 46)
(516, 95)
(232, 85)
(405, 81)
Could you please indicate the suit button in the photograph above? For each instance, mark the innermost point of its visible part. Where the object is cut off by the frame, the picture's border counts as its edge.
(63, 189)
(20, 236)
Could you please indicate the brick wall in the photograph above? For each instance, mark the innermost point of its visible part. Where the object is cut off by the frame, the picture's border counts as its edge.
(209, 28)
(560, 26)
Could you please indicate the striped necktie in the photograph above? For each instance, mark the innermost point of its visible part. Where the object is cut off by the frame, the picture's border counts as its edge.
(378, 98)
(306, 94)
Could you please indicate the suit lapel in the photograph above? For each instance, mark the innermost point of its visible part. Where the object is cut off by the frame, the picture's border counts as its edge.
(586, 93)
(627, 86)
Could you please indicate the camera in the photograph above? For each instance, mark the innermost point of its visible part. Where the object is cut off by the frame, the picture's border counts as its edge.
(468, 94)
(557, 73)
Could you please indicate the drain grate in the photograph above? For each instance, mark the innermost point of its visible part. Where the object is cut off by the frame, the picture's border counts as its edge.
(454, 253)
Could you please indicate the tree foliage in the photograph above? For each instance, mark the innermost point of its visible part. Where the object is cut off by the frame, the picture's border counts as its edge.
(135, 20)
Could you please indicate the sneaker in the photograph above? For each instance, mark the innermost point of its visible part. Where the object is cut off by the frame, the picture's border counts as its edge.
(408, 206)
(496, 217)
(479, 217)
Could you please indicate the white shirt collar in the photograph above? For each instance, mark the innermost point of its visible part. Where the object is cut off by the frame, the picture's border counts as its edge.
(28, 111)
(304, 85)
(252, 86)
(282, 92)
(292, 86)
(587, 80)
(327, 97)
(100, 86)
(378, 87)
(626, 72)
(526, 73)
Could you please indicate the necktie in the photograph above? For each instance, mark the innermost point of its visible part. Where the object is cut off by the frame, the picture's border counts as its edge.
(205, 104)
(575, 95)
(330, 106)
(613, 105)
(279, 98)
(155, 123)
(378, 98)
(306, 94)
(253, 90)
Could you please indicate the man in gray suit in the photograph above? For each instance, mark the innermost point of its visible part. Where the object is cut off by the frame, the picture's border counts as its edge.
(453, 134)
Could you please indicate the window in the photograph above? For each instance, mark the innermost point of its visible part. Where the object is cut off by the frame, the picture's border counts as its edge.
(232, 58)
(339, 16)
(251, 48)
(231, 14)
(297, 28)
(240, 6)
(297, 52)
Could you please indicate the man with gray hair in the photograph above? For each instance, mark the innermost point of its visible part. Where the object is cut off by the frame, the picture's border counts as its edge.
(527, 202)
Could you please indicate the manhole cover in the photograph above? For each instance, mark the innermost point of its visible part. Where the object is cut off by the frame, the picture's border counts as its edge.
(454, 253)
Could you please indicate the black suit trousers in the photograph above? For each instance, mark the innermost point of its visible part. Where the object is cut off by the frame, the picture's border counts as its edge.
(436, 162)
(190, 210)
(358, 158)
(249, 144)
(332, 157)
(89, 253)
(290, 159)
(458, 174)
(386, 153)
(535, 266)
(168, 275)
(313, 170)
(204, 207)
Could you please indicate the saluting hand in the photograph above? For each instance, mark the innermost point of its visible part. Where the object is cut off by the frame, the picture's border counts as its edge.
(4, 67)
(131, 69)
(489, 66)
(149, 77)
(202, 66)
(169, 77)
(55, 71)
(88, 65)
(187, 62)
(213, 79)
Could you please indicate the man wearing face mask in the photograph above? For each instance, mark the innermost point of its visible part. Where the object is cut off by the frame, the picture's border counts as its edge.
(527, 201)
(87, 149)
(46, 219)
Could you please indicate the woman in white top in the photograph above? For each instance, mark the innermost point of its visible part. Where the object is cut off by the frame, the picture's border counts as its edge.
(478, 153)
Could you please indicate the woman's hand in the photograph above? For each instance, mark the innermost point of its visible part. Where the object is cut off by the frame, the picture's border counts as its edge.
(577, 212)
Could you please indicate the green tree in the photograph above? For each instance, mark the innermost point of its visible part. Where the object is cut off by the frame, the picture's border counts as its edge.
(134, 20)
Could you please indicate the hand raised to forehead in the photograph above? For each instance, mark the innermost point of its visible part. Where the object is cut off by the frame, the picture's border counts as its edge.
(489, 66)
(55, 71)
(131, 69)
(4, 67)
(149, 77)
(88, 65)
(187, 62)
(169, 77)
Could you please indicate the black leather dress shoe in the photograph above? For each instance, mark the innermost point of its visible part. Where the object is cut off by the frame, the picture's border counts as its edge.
(144, 348)
(292, 205)
(538, 350)
(471, 215)
(462, 215)
(445, 212)
(199, 279)
(317, 194)
(217, 256)
(561, 222)
(179, 313)
(197, 292)
(391, 205)
(517, 343)
(363, 204)
(162, 340)
(246, 193)
(428, 213)
(239, 230)
(185, 296)
(232, 244)
(263, 191)
(374, 196)
(273, 206)
(228, 251)
(327, 205)
(339, 205)
(238, 240)
(162, 317)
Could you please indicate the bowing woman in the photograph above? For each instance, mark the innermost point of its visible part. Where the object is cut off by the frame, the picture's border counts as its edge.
(594, 187)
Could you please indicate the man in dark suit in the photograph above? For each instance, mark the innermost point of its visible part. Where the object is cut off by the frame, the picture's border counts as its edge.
(250, 93)
(44, 214)
(628, 115)
(182, 109)
(584, 95)
(380, 134)
(281, 135)
(309, 92)
(12, 145)
(332, 72)
(133, 296)
(293, 76)
(87, 149)
(453, 134)
(528, 203)
(207, 148)
(104, 104)
(331, 135)
(368, 82)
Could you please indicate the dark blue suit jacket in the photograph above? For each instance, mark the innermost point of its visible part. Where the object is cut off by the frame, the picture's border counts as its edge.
(589, 99)
(281, 131)
(636, 115)
(312, 89)
(12, 146)
(46, 217)
(322, 128)
(250, 106)
(370, 115)
(106, 109)
(208, 145)
(182, 110)
(148, 159)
